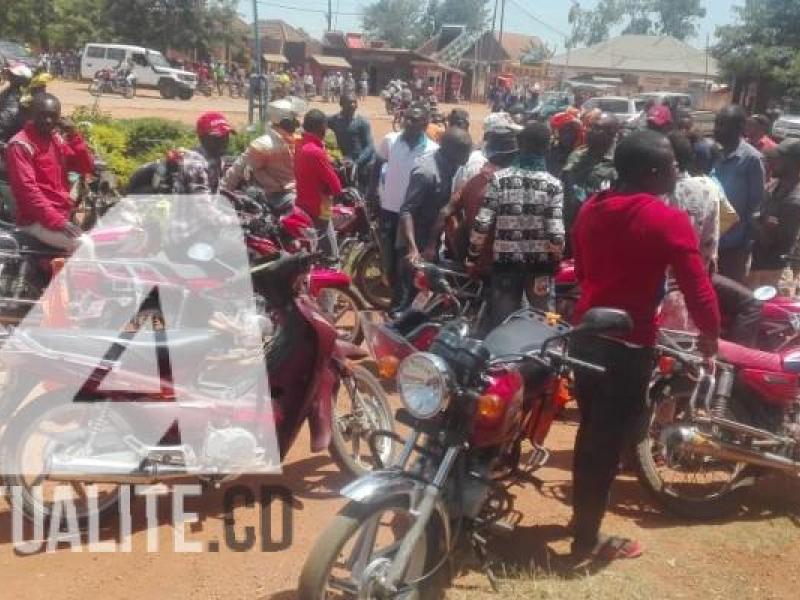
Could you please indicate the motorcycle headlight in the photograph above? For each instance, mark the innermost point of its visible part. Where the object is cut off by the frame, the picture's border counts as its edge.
(424, 382)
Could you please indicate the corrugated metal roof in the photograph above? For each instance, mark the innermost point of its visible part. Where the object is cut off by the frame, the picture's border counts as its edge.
(275, 58)
(331, 62)
(660, 54)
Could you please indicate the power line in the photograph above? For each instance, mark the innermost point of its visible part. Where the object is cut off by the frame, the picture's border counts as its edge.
(527, 12)
(320, 11)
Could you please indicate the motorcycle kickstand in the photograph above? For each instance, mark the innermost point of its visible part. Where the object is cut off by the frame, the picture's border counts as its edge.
(478, 543)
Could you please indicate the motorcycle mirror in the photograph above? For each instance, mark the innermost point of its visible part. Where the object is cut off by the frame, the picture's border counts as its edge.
(201, 252)
(765, 293)
(605, 320)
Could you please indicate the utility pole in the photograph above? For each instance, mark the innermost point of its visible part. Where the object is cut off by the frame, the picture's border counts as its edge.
(330, 15)
(494, 16)
(259, 88)
(502, 19)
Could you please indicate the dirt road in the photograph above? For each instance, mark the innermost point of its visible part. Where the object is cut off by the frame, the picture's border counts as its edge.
(754, 555)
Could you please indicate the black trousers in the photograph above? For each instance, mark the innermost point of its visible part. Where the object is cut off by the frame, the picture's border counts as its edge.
(733, 262)
(611, 406)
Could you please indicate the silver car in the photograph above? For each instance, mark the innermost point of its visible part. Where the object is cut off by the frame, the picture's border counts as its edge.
(627, 110)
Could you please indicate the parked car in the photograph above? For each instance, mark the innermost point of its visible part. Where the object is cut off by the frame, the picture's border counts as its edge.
(627, 110)
(787, 125)
(12, 53)
(150, 68)
(703, 119)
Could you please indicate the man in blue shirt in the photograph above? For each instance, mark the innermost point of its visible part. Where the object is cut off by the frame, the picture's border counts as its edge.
(740, 170)
(353, 136)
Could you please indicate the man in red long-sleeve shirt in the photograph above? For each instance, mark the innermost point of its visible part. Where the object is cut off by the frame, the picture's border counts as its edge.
(39, 160)
(317, 182)
(624, 240)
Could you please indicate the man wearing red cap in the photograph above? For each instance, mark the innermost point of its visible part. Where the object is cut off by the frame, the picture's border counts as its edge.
(201, 169)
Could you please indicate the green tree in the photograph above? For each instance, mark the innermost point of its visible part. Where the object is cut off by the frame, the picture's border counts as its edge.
(676, 18)
(77, 22)
(472, 13)
(762, 48)
(396, 22)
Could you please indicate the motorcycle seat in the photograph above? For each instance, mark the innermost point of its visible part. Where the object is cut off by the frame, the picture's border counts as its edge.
(749, 358)
(522, 333)
(30, 245)
(97, 342)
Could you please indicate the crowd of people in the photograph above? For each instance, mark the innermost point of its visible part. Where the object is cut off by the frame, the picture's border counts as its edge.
(660, 204)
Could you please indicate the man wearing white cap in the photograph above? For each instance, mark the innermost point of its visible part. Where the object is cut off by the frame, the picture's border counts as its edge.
(270, 158)
(11, 122)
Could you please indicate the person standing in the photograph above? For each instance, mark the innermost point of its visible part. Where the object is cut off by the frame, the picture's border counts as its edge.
(428, 193)
(757, 133)
(11, 122)
(624, 240)
(778, 224)
(521, 219)
(363, 87)
(354, 137)
(590, 169)
(740, 170)
(38, 160)
(398, 154)
(317, 182)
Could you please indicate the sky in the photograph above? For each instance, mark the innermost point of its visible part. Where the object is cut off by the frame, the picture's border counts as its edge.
(521, 16)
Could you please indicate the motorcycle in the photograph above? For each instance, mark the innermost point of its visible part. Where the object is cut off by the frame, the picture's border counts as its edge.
(360, 250)
(710, 429)
(311, 374)
(113, 81)
(469, 405)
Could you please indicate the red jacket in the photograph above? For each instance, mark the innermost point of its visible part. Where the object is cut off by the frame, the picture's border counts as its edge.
(623, 245)
(317, 182)
(37, 172)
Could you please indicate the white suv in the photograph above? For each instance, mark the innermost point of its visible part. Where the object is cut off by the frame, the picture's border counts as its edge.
(150, 68)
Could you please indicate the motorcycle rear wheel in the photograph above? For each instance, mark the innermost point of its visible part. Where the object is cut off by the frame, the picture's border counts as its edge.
(383, 524)
(702, 489)
(360, 408)
(33, 418)
(369, 279)
(345, 314)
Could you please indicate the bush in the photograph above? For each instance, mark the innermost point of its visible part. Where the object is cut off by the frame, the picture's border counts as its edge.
(145, 134)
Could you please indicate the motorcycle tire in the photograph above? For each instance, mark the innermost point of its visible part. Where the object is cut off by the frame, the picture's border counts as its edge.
(369, 279)
(323, 557)
(356, 333)
(371, 392)
(12, 444)
(708, 508)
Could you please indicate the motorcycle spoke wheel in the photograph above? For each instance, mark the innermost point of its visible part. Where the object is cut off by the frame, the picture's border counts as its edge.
(342, 308)
(362, 408)
(683, 475)
(61, 429)
(371, 281)
(356, 551)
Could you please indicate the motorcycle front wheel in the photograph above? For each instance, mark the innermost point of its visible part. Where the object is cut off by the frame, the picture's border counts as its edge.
(357, 548)
(360, 409)
(692, 487)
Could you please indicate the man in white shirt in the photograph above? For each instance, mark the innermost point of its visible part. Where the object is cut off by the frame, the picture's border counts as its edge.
(397, 155)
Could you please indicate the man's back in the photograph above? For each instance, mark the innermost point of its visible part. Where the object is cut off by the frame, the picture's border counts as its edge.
(623, 245)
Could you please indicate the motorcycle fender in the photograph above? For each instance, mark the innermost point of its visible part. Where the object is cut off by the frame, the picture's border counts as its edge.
(380, 486)
(321, 279)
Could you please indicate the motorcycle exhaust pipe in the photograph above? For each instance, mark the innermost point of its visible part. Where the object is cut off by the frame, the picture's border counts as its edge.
(111, 469)
(689, 439)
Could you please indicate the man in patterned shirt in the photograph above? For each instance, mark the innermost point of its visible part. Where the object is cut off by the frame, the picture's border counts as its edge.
(522, 217)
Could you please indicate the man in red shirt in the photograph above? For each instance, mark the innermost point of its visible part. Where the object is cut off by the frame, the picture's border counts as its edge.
(624, 241)
(39, 159)
(317, 182)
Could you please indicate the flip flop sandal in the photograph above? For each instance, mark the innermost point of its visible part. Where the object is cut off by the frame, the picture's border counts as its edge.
(614, 548)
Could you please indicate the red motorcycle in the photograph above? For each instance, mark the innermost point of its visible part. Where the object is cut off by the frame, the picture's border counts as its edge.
(311, 376)
(709, 430)
(780, 316)
(469, 406)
